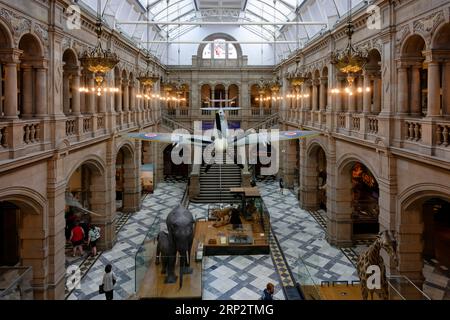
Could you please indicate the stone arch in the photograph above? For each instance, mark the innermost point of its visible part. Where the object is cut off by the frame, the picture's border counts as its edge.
(71, 71)
(219, 35)
(411, 226)
(441, 37)
(6, 38)
(33, 85)
(128, 188)
(30, 211)
(93, 161)
(350, 209)
(412, 44)
(31, 46)
(312, 197)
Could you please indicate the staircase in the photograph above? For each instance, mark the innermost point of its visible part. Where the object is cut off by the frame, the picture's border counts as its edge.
(216, 183)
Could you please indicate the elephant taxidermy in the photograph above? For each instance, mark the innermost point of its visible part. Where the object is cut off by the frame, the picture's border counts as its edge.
(166, 256)
(180, 224)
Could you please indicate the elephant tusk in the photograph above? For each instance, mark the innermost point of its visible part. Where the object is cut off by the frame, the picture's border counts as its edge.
(187, 258)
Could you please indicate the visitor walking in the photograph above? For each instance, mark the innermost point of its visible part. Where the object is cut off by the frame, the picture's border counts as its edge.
(94, 235)
(109, 280)
(77, 239)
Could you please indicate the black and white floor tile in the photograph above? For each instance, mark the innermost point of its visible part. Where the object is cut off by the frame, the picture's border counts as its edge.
(130, 237)
(302, 239)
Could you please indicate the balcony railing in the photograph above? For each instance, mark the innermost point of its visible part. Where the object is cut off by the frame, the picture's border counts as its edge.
(31, 133)
(413, 131)
(3, 136)
(373, 125)
(71, 127)
(87, 125)
(443, 134)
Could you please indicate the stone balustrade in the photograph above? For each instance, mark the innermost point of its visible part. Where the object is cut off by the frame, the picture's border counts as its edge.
(100, 122)
(443, 134)
(3, 136)
(355, 123)
(372, 125)
(413, 131)
(31, 133)
(71, 127)
(87, 124)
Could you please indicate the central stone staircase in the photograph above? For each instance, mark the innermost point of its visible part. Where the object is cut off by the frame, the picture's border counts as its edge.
(216, 183)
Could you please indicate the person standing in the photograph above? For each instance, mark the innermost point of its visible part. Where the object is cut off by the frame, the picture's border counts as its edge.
(268, 292)
(77, 238)
(94, 235)
(109, 280)
(281, 186)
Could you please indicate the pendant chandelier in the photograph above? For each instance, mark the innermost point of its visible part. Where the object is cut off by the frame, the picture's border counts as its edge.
(296, 78)
(350, 61)
(149, 77)
(99, 61)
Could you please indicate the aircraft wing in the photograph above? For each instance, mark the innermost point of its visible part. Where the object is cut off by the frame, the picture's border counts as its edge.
(266, 137)
(176, 138)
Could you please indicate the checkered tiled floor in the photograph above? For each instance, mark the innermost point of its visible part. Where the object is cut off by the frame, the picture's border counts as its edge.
(130, 237)
(302, 239)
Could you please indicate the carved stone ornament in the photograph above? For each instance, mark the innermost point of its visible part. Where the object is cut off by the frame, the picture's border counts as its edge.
(19, 25)
(429, 23)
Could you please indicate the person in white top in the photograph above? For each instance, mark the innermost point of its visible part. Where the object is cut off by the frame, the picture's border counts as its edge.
(109, 280)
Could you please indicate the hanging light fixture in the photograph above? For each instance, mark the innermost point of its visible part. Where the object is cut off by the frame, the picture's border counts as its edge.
(349, 61)
(297, 78)
(99, 61)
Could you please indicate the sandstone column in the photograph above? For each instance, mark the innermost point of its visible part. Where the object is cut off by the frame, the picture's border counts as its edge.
(27, 91)
(323, 93)
(41, 92)
(11, 102)
(376, 95)
(446, 89)
(76, 106)
(315, 95)
(91, 98)
(402, 90)
(434, 90)
(367, 94)
(416, 105)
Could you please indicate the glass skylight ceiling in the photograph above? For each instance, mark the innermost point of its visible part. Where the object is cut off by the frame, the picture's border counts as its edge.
(221, 10)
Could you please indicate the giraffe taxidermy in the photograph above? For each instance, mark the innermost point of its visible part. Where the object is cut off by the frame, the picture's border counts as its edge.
(372, 258)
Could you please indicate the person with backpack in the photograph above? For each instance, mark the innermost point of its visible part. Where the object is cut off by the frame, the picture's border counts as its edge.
(94, 235)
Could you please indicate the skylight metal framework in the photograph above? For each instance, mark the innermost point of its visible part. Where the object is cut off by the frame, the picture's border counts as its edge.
(284, 12)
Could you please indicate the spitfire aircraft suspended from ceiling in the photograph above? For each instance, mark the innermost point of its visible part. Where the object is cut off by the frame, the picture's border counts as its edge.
(221, 137)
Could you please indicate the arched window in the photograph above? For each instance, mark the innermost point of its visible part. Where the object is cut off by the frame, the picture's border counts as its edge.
(219, 50)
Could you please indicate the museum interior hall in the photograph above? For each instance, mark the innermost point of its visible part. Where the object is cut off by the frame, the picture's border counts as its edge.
(204, 149)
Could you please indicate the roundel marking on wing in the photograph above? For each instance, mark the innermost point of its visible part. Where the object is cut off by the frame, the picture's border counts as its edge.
(291, 134)
(151, 135)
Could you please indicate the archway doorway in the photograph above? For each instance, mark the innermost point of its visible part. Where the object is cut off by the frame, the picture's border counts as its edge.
(171, 169)
(9, 234)
(365, 196)
(436, 235)
(127, 181)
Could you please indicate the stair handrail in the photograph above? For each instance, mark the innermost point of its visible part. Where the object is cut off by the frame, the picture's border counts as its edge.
(172, 124)
(272, 119)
